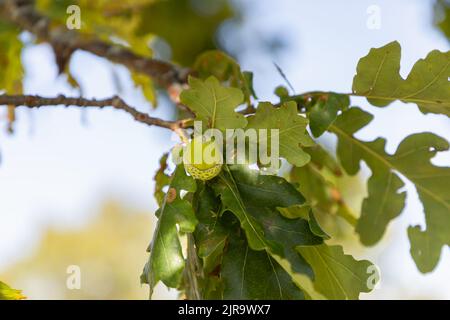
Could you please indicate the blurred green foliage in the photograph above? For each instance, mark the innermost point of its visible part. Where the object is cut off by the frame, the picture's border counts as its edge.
(442, 16)
(187, 26)
(174, 30)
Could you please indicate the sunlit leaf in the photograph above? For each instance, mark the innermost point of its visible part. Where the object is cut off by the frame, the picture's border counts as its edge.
(214, 104)
(166, 262)
(427, 84)
(291, 127)
(385, 199)
(8, 293)
(338, 276)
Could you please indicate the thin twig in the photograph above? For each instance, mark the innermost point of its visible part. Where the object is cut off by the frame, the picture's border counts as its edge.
(32, 101)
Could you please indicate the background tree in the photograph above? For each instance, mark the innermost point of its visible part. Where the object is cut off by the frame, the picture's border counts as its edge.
(242, 225)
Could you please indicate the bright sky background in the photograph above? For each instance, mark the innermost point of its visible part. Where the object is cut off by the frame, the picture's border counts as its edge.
(57, 169)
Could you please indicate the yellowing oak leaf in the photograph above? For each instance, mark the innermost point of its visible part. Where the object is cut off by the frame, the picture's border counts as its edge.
(8, 293)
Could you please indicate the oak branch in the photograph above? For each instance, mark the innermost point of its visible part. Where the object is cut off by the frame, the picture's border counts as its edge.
(32, 101)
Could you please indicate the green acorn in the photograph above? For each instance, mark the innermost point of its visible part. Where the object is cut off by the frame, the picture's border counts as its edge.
(202, 159)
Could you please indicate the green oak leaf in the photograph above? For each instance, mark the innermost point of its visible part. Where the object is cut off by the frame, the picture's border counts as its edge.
(313, 185)
(166, 261)
(296, 211)
(161, 179)
(213, 288)
(385, 200)
(8, 293)
(427, 84)
(324, 112)
(214, 104)
(292, 132)
(227, 189)
(338, 276)
(210, 234)
(305, 212)
(322, 158)
(316, 228)
(248, 84)
(318, 182)
(265, 228)
(250, 274)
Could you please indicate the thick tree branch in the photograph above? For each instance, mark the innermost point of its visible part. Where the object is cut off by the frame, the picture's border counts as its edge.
(23, 14)
(31, 101)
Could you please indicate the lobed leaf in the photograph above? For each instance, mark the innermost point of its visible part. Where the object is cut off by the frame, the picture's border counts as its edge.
(210, 234)
(442, 17)
(214, 104)
(427, 84)
(318, 182)
(385, 199)
(161, 179)
(166, 261)
(265, 228)
(323, 113)
(292, 132)
(250, 274)
(338, 276)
